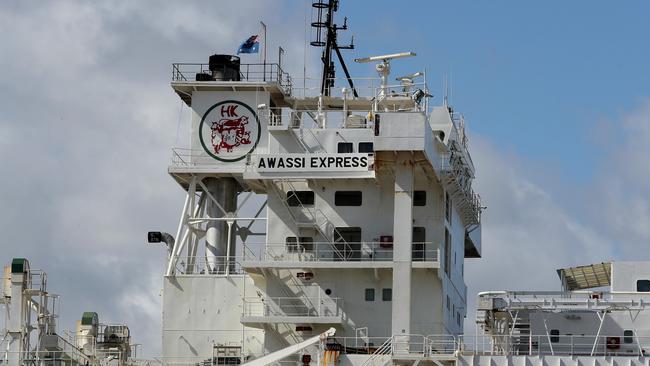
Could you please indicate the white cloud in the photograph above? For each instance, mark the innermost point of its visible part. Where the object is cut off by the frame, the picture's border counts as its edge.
(88, 119)
(528, 231)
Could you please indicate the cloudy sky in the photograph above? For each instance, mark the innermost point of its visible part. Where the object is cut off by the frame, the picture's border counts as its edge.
(555, 94)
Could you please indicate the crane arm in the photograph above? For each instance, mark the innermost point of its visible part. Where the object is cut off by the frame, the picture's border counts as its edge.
(285, 352)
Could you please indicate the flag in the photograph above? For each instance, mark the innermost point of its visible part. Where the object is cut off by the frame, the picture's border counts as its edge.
(251, 45)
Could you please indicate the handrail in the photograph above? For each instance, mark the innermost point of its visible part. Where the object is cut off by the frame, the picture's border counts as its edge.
(200, 265)
(323, 252)
(293, 306)
(264, 72)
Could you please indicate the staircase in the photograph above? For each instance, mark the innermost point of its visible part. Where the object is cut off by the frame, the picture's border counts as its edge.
(456, 179)
(289, 333)
(521, 338)
(381, 356)
(314, 218)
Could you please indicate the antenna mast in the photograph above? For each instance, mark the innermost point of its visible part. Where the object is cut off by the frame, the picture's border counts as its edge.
(326, 37)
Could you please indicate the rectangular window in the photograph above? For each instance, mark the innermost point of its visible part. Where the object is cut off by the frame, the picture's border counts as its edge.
(628, 336)
(447, 252)
(366, 147)
(643, 285)
(418, 248)
(301, 244)
(292, 244)
(370, 294)
(448, 303)
(448, 207)
(298, 198)
(387, 294)
(344, 147)
(419, 198)
(347, 198)
(306, 243)
(555, 335)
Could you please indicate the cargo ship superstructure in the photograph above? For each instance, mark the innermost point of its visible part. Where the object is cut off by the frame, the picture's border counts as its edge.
(346, 206)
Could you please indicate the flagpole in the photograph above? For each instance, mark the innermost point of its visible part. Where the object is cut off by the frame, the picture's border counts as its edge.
(264, 51)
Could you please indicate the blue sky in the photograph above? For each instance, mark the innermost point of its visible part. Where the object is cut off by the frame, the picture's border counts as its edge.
(534, 76)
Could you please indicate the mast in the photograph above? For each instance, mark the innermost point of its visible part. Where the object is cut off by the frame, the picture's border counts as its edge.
(326, 27)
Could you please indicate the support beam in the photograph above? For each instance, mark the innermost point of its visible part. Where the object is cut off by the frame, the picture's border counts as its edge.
(402, 244)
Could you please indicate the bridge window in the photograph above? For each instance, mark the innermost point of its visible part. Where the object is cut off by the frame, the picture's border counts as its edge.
(628, 336)
(447, 253)
(366, 147)
(298, 198)
(301, 244)
(643, 285)
(387, 294)
(419, 198)
(370, 294)
(347, 198)
(345, 147)
(448, 207)
(555, 335)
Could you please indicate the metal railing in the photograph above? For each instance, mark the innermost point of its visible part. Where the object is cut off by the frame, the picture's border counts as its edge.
(352, 252)
(187, 158)
(357, 345)
(529, 345)
(570, 300)
(265, 72)
(556, 345)
(293, 306)
(206, 361)
(368, 88)
(201, 265)
(67, 354)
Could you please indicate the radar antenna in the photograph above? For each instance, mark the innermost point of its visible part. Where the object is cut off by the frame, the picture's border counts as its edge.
(326, 37)
(383, 68)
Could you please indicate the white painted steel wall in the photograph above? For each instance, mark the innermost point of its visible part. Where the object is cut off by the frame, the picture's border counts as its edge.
(626, 274)
(199, 310)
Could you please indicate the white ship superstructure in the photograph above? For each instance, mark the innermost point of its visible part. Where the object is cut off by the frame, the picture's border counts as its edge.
(350, 207)
(602, 310)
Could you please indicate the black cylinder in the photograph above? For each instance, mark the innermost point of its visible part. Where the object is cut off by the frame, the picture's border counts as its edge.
(224, 67)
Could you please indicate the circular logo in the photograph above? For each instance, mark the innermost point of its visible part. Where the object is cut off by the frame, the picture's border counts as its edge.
(229, 131)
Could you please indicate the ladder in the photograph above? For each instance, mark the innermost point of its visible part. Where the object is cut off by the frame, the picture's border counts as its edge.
(315, 219)
(456, 182)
